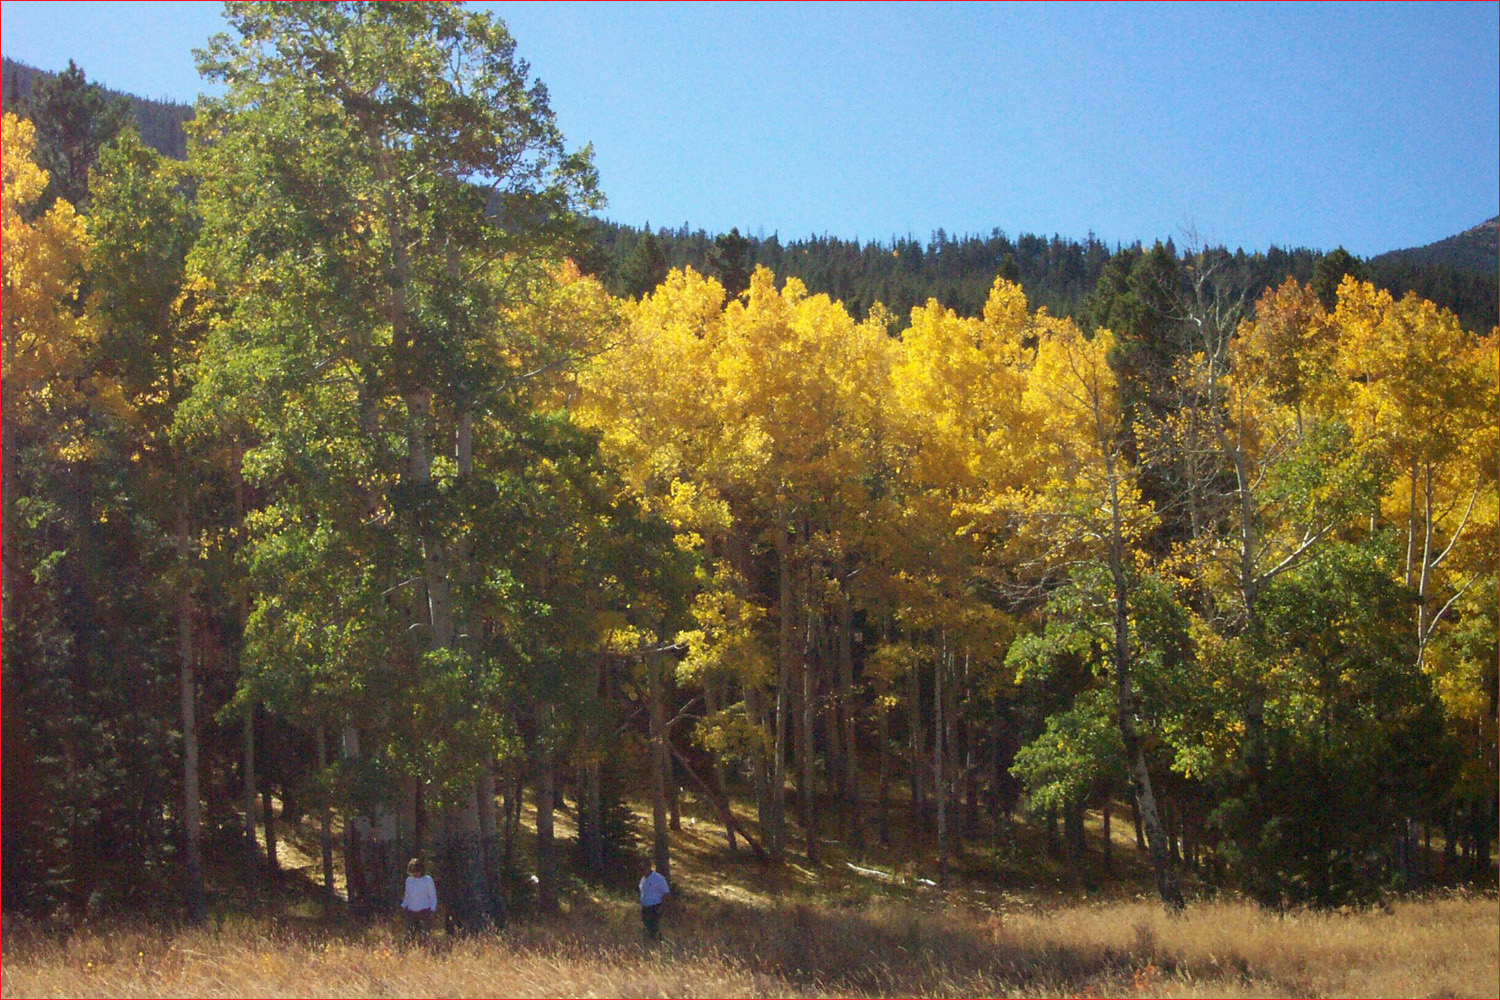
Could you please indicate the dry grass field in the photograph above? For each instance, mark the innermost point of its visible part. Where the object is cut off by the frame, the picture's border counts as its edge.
(1438, 947)
(1011, 924)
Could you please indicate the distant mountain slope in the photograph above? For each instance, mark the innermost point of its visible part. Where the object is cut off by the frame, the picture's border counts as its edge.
(1460, 273)
(1476, 250)
(159, 122)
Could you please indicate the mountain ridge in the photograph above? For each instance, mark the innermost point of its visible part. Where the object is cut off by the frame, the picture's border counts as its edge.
(1476, 249)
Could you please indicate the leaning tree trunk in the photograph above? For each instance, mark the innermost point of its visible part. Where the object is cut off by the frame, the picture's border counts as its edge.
(1135, 755)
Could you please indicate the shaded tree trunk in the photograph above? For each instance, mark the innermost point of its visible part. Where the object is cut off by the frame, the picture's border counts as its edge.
(806, 793)
(938, 783)
(546, 845)
(325, 831)
(247, 747)
(1109, 846)
(194, 895)
(847, 715)
(660, 847)
(776, 836)
(883, 715)
(916, 737)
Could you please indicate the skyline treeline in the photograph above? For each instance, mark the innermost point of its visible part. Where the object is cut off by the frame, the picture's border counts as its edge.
(904, 271)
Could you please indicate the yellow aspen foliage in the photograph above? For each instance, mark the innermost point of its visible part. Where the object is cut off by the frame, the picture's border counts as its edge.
(43, 260)
(1422, 404)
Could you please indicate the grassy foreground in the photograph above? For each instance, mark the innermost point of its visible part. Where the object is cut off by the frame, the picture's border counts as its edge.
(1431, 948)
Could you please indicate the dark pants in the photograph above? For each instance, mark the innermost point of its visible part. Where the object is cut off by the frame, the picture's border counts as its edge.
(651, 917)
(418, 923)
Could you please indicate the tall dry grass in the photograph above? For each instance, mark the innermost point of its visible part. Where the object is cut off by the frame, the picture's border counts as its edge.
(1435, 947)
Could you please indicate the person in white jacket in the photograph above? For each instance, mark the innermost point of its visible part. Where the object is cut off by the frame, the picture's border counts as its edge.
(420, 902)
(654, 889)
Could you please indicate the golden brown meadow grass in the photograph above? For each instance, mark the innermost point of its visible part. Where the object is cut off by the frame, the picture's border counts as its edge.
(1434, 947)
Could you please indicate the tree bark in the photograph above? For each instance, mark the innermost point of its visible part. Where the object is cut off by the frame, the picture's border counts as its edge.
(805, 791)
(247, 746)
(916, 738)
(721, 803)
(546, 846)
(938, 783)
(711, 706)
(1135, 755)
(777, 834)
(847, 715)
(325, 816)
(660, 846)
(1109, 846)
(192, 822)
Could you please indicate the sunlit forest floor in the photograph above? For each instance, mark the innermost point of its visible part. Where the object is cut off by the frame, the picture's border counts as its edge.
(1009, 923)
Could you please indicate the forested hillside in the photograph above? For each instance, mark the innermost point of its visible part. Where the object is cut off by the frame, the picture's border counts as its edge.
(337, 489)
(1475, 250)
(1461, 273)
(159, 122)
(1058, 273)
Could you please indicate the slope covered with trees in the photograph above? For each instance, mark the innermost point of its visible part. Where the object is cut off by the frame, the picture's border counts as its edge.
(332, 476)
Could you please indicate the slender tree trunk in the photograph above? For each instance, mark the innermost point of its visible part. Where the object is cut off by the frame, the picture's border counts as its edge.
(1073, 833)
(1135, 755)
(8, 519)
(805, 790)
(783, 692)
(938, 784)
(711, 706)
(847, 714)
(883, 715)
(916, 738)
(192, 838)
(325, 816)
(1109, 844)
(590, 808)
(247, 745)
(765, 805)
(268, 818)
(514, 789)
(674, 790)
(661, 847)
(546, 846)
(489, 842)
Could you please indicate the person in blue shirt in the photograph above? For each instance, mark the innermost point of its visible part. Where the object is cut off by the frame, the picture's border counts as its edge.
(654, 889)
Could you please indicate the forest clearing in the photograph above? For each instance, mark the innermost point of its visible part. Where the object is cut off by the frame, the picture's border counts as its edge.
(741, 930)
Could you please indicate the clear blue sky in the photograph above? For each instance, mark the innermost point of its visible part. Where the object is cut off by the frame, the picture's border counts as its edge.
(1373, 126)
